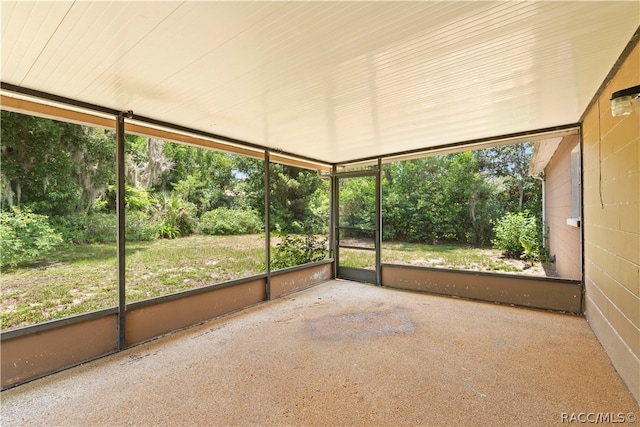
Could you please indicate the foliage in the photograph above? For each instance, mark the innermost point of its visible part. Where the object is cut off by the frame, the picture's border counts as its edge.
(25, 236)
(135, 199)
(193, 190)
(438, 199)
(507, 166)
(204, 177)
(167, 230)
(65, 171)
(102, 227)
(519, 235)
(51, 167)
(225, 221)
(85, 229)
(139, 227)
(297, 200)
(250, 183)
(145, 163)
(357, 205)
(470, 198)
(176, 217)
(296, 250)
(319, 208)
(138, 199)
(299, 197)
(58, 169)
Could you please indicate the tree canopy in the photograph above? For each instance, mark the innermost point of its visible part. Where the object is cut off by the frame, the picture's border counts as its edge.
(58, 169)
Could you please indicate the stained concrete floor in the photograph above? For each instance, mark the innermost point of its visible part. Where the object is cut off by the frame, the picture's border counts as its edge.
(342, 353)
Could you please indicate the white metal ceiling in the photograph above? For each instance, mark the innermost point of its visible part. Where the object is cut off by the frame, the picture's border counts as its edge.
(334, 81)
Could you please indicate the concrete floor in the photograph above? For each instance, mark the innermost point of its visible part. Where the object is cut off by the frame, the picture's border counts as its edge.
(342, 353)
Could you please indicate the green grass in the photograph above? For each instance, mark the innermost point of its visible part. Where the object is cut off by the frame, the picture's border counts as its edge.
(443, 256)
(167, 266)
(79, 279)
(447, 256)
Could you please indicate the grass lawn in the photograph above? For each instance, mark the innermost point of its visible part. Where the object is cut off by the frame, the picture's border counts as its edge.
(446, 256)
(79, 279)
(441, 256)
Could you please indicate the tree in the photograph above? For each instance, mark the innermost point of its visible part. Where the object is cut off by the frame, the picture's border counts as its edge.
(299, 198)
(440, 198)
(292, 194)
(510, 164)
(53, 168)
(357, 205)
(249, 182)
(146, 162)
(213, 170)
(472, 197)
(412, 199)
(93, 152)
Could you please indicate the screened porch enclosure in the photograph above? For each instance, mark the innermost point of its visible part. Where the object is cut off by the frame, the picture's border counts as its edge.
(178, 281)
(282, 102)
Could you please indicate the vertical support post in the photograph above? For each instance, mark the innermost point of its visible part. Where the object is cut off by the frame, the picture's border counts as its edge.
(267, 220)
(582, 280)
(120, 212)
(378, 234)
(332, 219)
(335, 217)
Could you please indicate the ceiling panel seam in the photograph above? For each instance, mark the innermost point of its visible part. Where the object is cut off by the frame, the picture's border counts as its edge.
(35, 61)
(99, 76)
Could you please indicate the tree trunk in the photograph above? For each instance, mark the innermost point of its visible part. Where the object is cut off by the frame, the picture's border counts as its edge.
(8, 192)
(18, 193)
(520, 195)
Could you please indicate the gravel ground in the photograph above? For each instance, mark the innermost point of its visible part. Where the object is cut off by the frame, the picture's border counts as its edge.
(342, 353)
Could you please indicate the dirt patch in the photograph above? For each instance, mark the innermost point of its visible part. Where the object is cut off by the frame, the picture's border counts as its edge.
(432, 262)
(495, 264)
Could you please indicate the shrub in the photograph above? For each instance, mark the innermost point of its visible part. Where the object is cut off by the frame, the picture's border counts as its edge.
(102, 227)
(297, 250)
(167, 230)
(25, 236)
(137, 199)
(140, 227)
(518, 235)
(93, 228)
(225, 221)
(176, 217)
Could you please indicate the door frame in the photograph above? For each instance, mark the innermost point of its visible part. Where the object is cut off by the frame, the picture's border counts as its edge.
(351, 273)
